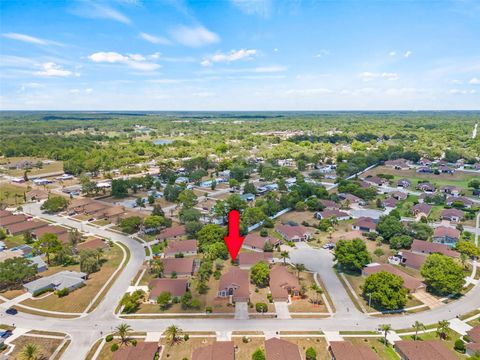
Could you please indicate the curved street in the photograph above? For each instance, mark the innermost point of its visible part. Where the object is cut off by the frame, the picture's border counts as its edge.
(85, 330)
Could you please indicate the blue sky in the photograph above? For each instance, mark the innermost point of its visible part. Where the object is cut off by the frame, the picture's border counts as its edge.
(239, 55)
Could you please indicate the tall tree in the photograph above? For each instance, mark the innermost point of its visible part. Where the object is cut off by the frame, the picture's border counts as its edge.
(48, 244)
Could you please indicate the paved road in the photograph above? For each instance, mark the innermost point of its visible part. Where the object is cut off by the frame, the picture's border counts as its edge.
(86, 330)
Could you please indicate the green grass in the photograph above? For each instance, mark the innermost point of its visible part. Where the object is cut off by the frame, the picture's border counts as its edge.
(13, 241)
(449, 342)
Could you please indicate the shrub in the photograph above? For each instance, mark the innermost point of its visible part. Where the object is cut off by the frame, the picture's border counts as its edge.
(378, 252)
(311, 354)
(186, 337)
(245, 340)
(459, 345)
(208, 309)
(466, 338)
(134, 342)
(114, 347)
(270, 298)
(264, 232)
(63, 292)
(258, 355)
(261, 307)
(109, 338)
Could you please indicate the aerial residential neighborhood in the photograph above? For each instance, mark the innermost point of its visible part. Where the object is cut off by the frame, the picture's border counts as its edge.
(239, 180)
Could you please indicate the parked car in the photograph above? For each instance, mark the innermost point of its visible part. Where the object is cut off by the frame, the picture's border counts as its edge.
(5, 334)
(11, 311)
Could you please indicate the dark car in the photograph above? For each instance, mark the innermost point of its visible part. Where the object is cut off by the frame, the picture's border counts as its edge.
(5, 334)
(12, 311)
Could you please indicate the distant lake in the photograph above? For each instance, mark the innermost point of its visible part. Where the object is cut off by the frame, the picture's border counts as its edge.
(162, 142)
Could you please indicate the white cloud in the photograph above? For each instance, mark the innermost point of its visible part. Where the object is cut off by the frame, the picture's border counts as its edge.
(234, 55)
(254, 7)
(392, 53)
(52, 69)
(322, 53)
(307, 92)
(407, 54)
(204, 94)
(26, 38)
(159, 40)
(100, 11)
(135, 61)
(369, 76)
(474, 81)
(462, 92)
(196, 36)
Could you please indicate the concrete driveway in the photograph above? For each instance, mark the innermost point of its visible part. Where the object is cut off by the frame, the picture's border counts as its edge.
(281, 308)
(241, 310)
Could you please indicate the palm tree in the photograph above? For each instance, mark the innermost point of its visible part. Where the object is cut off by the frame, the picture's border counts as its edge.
(418, 326)
(123, 331)
(385, 328)
(463, 259)
(156, 267)
(173, 334)
(284, 255)
(300, 268)
(30, 352)
(330, 231)
(442, 328)
(318, 291)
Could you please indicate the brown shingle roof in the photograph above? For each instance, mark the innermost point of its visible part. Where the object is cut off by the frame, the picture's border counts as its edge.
(366, 222)
(422, 208)
(251, 258)
(281, 280)
(176, 287)
(53, 229)
(179, 266)
(409, 281)
(143, 351)
(442, 231)
(413, 260)
(95, 243)
(331, 213)
(256, 241)
(181, 246)
(5, 213)
(172, 232)
(25, 226)
(277, 349)
(239, 279)
(219, 350)
(292, 232)
(424, 350)
(12, 219)
(427, 247)
(329, 204)
(449, 213)
(474, 334)
(346, 350)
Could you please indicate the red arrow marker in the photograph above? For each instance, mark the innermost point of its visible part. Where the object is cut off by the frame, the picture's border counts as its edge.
(233, 240)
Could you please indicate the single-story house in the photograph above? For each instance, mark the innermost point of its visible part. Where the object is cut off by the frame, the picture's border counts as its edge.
(179, 266)
(224, 350)
(473, 347)
(425, 169)
(454, 215)
(142, 351)
(399, 195)
(283, 283)
(404, 183)
(467, 203)
(36, 195)
(247, 259)
(426, 247)
(176, 287)
(278, 349)
(185, 247)
(390, 203)
(413, 260)
(425, 162)
(329, 204)
(5, 213)
(21, 228)
(423, 350)
(426, 187)
(12, 219)
(444, 169)
(421, 210)
(352, 199)
(446, 235)
(235, 284)
(254, 241)
(409, 282)
(346, 350)
(70, 280)
(247, 197)
(451, 190)
(365, 224)
(375, 180)
(172, 232)
(294, 233)
(93, 243)
(52, 229)
(333, 213)
(398, 164)
(41, 265)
